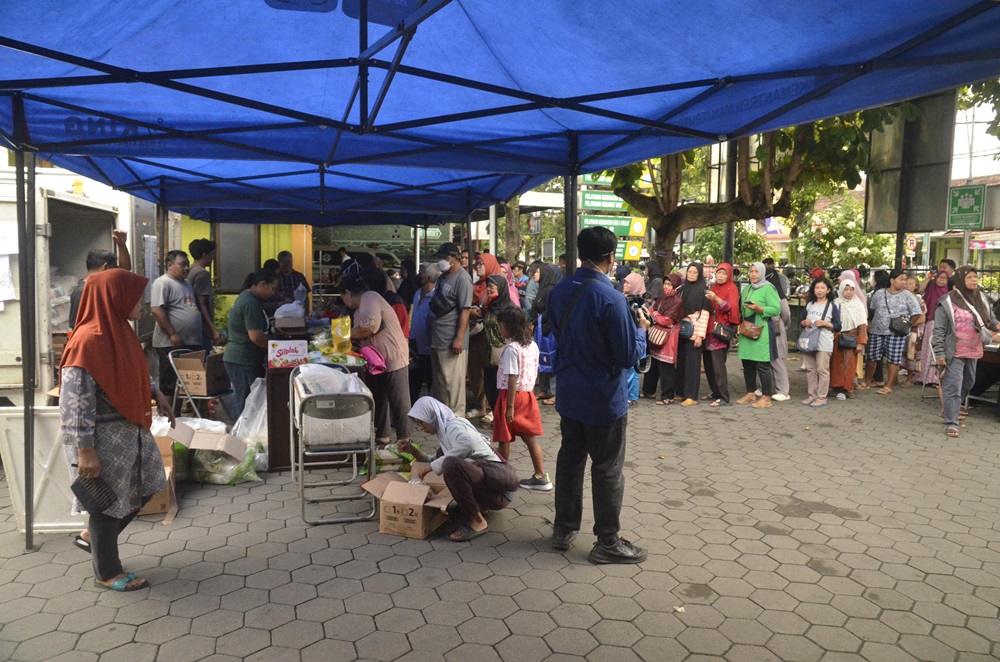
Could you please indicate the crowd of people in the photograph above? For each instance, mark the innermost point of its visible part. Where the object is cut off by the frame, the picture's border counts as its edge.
(491, 345)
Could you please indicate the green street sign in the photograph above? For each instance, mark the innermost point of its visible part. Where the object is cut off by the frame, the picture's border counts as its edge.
(595, 179)
(432, 233)
(622, 226)
(966, 207)
(602, 200)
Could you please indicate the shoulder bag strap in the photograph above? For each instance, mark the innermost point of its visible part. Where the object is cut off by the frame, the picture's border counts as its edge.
(572, 302)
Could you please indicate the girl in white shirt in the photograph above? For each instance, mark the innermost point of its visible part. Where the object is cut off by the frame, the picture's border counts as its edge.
(516, 413)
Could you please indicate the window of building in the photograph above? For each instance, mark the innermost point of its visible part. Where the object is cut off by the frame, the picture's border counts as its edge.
(236, 255)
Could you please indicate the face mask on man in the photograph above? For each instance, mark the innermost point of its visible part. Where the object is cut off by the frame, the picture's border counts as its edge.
(444, 265)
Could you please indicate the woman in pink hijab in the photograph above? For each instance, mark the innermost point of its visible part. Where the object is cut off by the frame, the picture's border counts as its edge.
(511, 289)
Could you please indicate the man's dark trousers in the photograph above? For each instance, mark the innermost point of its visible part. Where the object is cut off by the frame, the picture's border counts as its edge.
(605, 445)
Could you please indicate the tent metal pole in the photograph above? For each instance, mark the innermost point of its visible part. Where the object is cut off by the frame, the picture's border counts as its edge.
(571, 183)
(363, 65)
(468, 231)
(26, 259)
(416, 247)
(493, 229)
(729, 238)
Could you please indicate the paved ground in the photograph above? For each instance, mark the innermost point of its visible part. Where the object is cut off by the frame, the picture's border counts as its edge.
(852, 532)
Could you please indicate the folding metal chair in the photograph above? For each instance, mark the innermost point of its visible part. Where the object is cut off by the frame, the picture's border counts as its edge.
(330, 406)
(187, 397)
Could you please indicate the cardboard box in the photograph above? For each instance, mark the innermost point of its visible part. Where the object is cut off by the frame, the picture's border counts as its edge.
(208, 441)
(201, 375)
(164, 502)
(407, 509)
(287, 353)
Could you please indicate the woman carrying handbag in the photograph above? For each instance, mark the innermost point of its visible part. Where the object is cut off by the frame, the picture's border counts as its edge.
(760, 304)
(725, 300)
(662, 337)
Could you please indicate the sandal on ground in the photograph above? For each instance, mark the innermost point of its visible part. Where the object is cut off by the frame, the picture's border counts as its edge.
(863, 387)
(689, 403)
(818, 403)
(648, 396)
(885, 390)
(951, 431)
(129, 582)
(906, 385)
(878, 383)
(747, 399)
(464, 533)
(549, 401)
(761, 404)
(80, 543)
(543, 396)
(663, 403)
(719, 403)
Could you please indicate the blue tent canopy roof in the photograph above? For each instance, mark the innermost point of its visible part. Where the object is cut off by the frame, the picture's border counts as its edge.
(539, 88)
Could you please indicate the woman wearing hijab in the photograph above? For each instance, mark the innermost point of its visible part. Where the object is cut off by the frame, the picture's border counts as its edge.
(485, 265)
(667, 312)
(531, 289)
(471, 470)
(654, 279)
(760, 305)
(634, 285)
(697, 310)
(725, 300)
(961, 320)
(511, 286)
(547, 276)
(779, 369)
(621, 271)
(497, 298)
(410, 281)
(853, 324)
(105, 416)
(937, 289)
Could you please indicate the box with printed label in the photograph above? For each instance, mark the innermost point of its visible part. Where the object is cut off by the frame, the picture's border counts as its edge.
(287, 353)
(409, 509)
(290, 325)
(164, 501)
(201, 375)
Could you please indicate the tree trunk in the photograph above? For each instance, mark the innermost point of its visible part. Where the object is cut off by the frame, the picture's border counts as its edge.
(512, 229)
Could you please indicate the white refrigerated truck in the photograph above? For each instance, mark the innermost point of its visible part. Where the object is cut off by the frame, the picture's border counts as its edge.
(73, 215)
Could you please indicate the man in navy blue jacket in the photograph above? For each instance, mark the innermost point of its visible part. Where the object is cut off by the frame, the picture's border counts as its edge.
(598, 343)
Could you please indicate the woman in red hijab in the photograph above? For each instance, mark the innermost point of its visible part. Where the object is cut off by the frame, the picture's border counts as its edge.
(485, 266)
(725, 300)
(104, 405)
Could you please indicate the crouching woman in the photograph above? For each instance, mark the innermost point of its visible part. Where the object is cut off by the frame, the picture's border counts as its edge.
(478, 479)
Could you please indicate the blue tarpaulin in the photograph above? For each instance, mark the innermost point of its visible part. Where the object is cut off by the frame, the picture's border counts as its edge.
(529, 89)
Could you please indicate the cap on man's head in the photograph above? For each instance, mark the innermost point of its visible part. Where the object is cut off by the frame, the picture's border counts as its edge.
(447, 250)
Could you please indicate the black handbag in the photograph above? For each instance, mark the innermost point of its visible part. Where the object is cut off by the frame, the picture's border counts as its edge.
(723, 332)
(898, 325)
(94, 494)
(847, 341)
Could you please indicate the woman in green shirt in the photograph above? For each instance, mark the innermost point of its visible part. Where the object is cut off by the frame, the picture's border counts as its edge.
(246, 351)
(760, 302)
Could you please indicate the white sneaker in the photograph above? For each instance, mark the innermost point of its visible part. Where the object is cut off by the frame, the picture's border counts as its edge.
(780, 397)
(758, 393)
(488, 418)
(473, 413)
(841, 396)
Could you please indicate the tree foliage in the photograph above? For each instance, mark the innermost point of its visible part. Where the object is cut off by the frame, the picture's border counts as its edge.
(748, 246)
(771, 168)
(835, 236)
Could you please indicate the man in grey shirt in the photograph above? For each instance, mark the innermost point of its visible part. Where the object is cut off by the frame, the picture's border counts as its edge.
(449, 328)
(203, 253)
(178, 320)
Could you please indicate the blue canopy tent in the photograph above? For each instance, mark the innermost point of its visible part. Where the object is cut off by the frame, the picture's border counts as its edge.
(535, 89)
(286, 192)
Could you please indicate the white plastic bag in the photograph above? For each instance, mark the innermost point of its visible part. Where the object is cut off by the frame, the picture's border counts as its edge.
(294, 309)
(251, 428)
(319, 379)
